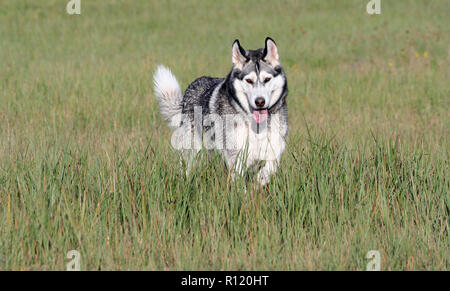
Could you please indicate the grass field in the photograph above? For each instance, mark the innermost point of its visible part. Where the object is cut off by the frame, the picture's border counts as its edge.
(86, 161)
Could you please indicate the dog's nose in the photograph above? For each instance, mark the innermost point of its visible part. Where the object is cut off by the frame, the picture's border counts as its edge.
(260, 102)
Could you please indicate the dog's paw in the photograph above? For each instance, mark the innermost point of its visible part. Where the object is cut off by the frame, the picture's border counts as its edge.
(263, 178)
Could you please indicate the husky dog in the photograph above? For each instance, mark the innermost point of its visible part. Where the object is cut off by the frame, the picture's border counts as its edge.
(243, 115)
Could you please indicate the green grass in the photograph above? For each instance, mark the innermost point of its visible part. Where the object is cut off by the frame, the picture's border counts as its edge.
(86, 161)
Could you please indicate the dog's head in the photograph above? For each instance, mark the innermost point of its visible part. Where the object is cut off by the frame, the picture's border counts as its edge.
(257, 78)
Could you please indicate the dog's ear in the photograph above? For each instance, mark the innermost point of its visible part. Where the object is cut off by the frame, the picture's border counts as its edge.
(238, 55)
(270, 54)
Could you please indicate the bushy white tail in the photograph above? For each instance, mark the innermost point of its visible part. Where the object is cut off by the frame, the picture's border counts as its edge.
(168, 92)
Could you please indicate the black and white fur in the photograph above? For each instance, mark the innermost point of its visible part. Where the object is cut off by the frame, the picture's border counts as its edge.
(254, 91)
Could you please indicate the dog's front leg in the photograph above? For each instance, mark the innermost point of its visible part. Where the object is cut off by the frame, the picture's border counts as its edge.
(265, 173)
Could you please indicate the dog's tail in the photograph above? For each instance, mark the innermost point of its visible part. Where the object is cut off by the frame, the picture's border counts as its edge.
(168, 93)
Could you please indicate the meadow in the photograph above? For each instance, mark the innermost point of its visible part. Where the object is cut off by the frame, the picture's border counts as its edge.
(86, 162)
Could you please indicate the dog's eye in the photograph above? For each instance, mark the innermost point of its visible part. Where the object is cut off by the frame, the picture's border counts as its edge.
(267, 79)
(250, 81)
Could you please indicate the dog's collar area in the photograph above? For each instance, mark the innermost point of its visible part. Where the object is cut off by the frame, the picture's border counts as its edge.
(259, 109)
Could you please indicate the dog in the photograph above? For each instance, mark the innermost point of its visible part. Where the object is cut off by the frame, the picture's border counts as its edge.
(243, 115)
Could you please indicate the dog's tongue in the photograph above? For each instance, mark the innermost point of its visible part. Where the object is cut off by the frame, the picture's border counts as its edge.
(260, 115)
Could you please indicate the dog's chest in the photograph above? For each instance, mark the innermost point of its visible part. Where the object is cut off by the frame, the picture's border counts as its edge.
(263, 146)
